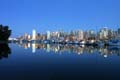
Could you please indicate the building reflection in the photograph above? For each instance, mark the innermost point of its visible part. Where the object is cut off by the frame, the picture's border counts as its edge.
(4, 50)
(77, 49)
(33, 47)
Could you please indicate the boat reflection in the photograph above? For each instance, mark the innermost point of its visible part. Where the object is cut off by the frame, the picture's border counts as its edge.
(78, 49)
(4, 50)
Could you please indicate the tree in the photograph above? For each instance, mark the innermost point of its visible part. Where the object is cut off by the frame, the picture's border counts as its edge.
(4, 33)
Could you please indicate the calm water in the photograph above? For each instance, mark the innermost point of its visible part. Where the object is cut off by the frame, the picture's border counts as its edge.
(58, 62)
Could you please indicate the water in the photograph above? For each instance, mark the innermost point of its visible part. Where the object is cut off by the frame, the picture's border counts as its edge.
(58, 62)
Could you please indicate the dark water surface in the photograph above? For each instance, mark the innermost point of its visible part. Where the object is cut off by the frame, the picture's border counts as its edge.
(53, 62)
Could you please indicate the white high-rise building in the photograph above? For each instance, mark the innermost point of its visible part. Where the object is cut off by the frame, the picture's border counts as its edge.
(80, 35)
(48, 34)
(34, 34)
(104, 33)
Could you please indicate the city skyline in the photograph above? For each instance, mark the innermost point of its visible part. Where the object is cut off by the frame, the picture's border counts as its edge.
(59, 39)
(72, 36)
(24, 15)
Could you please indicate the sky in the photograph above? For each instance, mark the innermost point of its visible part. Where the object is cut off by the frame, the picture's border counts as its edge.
(42, 15)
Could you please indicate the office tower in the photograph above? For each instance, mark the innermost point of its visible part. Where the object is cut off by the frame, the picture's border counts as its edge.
(119, 31)
(80, 35)
(48, 35)
(29, 37)
(34, 34)
(104, 33)
(25, 36)
(91, 34)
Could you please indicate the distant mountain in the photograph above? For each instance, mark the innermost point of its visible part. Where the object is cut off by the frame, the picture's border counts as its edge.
(5, 33)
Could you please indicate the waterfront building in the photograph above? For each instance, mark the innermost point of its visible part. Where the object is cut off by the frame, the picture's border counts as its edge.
(118, 33)
(80, 35)
(25, 36)
(29, 37)
(104, 33)
(34, 34)
(91, 34)
(48, 35)
(118, 30)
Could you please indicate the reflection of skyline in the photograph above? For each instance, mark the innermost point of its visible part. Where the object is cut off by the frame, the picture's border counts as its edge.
(58, 48)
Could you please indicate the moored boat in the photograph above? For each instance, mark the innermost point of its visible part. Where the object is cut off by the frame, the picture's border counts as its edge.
(114, 42)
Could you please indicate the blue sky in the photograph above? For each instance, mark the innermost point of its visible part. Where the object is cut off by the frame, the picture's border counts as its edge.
(24, 15)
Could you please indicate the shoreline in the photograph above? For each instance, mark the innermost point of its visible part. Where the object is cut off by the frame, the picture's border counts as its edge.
(4, 42)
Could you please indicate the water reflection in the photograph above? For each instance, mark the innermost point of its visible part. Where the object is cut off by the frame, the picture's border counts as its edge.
(4, 50)
(78, 49)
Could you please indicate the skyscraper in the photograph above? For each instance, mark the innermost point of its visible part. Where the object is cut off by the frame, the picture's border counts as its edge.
(118, 30)
(80, 35)
(34, 34)
(103, 34)
(48, 35)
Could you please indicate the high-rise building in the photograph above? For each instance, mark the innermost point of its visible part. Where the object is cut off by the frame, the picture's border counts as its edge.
(91, 34)
(29, 37)
(118, 33)
(104, 33)
(80, 35)
(118, 30)
(48, 35)
(25, 36)
(34, 34)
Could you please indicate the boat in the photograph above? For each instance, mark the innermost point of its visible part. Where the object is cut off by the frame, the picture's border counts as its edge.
(82, 42)
(114, 42)
(100, 43)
